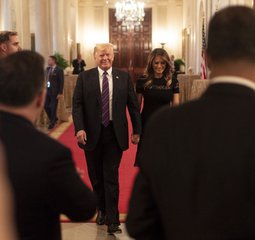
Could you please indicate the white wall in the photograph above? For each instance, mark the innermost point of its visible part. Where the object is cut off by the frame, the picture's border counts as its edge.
(93, 26)
(59, 17)
(86, 22)
(167, 26)
(192, 20)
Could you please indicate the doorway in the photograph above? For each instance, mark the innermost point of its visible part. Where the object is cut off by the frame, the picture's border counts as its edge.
(132, 45)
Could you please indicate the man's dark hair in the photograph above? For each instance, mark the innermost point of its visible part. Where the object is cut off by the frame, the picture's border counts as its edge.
(5, 36)
(54, 58)
(21, 78)
(231, 34)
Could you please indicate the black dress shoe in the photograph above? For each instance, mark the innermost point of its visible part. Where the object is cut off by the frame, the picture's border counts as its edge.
(114, 228)
(100, 220)
(51, 126)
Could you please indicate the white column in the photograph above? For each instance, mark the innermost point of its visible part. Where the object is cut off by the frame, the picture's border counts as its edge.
(41, 27)
(72, 26)
(1, 15)
(59, 26)
(23, 23)
(15, 17)
(8, 15)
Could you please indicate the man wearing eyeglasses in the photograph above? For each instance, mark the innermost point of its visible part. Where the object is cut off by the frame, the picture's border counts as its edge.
(9, 43)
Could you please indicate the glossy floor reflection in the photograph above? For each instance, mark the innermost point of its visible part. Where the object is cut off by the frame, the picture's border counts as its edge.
(90, 231)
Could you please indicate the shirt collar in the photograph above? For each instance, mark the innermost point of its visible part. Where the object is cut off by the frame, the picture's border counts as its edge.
(101, 71)
(53, 67)
(233, 80)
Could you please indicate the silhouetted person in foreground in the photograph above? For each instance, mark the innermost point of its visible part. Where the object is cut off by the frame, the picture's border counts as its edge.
(42, 174)
(196, 177)
(7, 229)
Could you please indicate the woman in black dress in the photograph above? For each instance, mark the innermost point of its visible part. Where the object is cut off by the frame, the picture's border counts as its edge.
(156, 88)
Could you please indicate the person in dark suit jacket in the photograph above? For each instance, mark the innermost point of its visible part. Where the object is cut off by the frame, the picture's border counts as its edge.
(99, 114)
(78, 65)
(7, 229)
(197, 178)
(41, 171)
(55, 84)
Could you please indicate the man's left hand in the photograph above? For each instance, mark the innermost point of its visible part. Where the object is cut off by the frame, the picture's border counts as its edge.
(135, 138)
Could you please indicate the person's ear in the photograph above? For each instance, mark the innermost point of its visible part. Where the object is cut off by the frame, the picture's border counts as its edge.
(95, 53)
(40, 101)
(3, 47)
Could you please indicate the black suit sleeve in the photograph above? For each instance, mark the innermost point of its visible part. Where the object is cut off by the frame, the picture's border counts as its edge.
(69, 194)
(146, 211)
(61, 80)
(78, 111)
(74, 63)
(142, 220)
(134, 109)
(139, 87)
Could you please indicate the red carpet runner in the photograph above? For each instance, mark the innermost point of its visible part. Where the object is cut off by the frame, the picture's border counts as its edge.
(127, 171)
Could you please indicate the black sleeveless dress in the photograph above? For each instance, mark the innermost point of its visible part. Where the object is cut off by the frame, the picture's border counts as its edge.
(156, 94)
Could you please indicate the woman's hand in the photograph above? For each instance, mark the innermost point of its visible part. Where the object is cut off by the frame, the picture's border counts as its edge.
(135, 138)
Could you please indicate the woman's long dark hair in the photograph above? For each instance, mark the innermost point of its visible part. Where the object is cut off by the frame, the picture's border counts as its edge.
(149, 72)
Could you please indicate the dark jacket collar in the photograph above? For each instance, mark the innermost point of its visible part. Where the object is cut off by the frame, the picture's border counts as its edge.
(10, 117)
(229, 89)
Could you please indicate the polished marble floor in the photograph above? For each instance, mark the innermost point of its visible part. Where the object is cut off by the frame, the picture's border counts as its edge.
(90, 231)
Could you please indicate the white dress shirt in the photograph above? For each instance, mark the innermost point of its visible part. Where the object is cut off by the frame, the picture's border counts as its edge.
(109, 76)
(233, 80)
(48, 73)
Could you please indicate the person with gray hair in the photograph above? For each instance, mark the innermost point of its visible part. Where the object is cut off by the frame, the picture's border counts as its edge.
(196, 178)
(100, 100)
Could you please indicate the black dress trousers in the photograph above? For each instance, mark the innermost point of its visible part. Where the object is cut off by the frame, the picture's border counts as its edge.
(103, 168)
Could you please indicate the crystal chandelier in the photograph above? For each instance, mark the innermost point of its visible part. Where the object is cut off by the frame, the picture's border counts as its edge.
(129, 12)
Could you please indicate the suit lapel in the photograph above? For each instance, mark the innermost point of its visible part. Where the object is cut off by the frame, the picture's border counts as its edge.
(115, 85)
(96, 85)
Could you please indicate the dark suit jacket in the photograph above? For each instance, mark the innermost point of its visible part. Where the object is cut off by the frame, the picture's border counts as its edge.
(197, 178)
(76, 66)
(87, 107)
(56, 81)
(44, 181)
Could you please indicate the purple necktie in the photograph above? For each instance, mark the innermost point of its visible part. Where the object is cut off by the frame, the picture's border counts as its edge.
(105, 101)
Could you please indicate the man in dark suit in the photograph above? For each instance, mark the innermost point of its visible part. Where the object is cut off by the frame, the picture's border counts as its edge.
(78, 64)
(7, 230)
(55, 84)
(42, 174)
(197, 178)
(99, 113)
